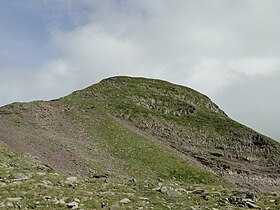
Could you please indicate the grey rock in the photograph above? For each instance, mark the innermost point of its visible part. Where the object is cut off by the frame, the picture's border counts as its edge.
(133, 180)
(157, 189)
(218, 194)
(125, 201)
(71, 180)
(20, 176)
(275, 194)
(199, 191)
(77, 200)
(55, 201)
(9, 204)
(246, 194)
(224, 200)
(103, 205)
(168, 190)
(250, 194)
(143, 198)
(190, 208)
(173, 193)
(182, 190)
(47, 197)
(163, 189)
(160, 179)
(236, 201)
(252, 205)
(47, 182)
(239, 201)
(41, 173)
(206, 197)
(73, 205)
(60, 202)
(14, 200)
(113, 207)
(190, 188)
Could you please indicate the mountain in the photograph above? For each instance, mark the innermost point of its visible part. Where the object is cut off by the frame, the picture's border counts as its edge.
(134, 143)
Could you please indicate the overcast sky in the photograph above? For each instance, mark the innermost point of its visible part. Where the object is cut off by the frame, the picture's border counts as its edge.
(226, 49)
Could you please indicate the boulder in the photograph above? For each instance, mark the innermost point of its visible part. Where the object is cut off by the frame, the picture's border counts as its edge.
(125, 201)
(71, 180)
(73, 205)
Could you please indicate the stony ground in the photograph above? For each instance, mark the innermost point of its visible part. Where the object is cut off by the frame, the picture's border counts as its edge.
(36, 187)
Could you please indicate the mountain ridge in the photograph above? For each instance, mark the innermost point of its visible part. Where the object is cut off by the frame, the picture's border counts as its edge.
(138, 128)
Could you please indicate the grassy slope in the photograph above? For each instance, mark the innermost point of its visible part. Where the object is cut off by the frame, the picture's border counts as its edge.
(210, 124)
(131, 155)
(188, 121)
(140, 157)
(46, 189)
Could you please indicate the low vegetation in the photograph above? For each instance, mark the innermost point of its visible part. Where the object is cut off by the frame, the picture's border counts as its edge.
(133, 143)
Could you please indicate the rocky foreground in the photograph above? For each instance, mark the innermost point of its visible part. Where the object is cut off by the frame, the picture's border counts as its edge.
(31, 185)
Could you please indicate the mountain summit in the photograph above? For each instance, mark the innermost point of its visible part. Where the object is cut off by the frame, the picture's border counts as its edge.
(141, 129)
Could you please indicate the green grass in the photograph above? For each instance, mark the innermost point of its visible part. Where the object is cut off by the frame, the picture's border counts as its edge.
(210, 128)
(42, 190)
(141, 157)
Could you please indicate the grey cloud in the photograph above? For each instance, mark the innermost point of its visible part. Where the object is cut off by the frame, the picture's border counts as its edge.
(254, 101)
(216, 47)
(51, 81)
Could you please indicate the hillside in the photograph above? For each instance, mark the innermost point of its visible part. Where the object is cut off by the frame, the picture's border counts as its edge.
(160, 145)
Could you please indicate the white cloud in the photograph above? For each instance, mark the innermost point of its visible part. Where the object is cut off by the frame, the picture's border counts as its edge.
(211, 75)
(255, 65)
(208, 45)
(253, 100)
(191, 40)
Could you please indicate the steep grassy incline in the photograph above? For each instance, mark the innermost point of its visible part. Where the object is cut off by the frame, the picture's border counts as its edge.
(190, 123)
(131, 154)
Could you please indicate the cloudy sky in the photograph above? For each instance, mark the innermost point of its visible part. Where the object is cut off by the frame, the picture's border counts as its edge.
(226, 49)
